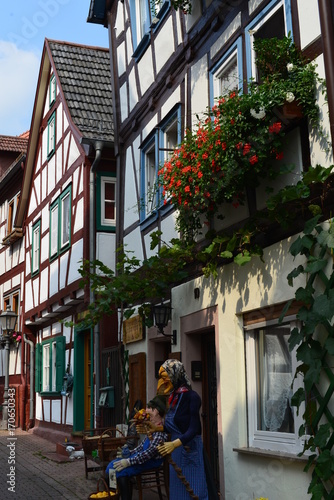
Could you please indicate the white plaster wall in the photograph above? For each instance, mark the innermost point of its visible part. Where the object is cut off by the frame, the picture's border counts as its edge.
(59, 164)
(79, 216)
(53, 286)
(121, 57)
(164, 50)
(237, 290)
(145, 70)
(63, 270)
(28, 297)
(199, 88)
(168, 228)
(309, 21)
(133, 243)
(133, 94)
(105, 249)
(129, 45)
(320, 152)
(44, 277)
(51, 174)
(175, 98)
(124, 102)
(119, 23)
(38, 406)
(131, 213)
(226, 35)
(45, 248)
(76, 258)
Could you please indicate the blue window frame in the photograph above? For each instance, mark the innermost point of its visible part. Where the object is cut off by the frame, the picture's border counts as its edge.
(154, 152)
(226, 75)
(273, 21)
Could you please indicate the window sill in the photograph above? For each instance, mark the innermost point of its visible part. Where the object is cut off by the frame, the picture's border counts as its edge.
(290, 457)
(144, 43)
(49, 394)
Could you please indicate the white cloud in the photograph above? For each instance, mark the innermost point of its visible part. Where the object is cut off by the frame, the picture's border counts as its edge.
(18, 81)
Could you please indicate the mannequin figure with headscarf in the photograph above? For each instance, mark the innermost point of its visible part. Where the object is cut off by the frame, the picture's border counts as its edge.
(183, 423)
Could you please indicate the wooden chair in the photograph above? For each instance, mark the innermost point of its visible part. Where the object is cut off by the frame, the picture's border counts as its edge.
(154, 478)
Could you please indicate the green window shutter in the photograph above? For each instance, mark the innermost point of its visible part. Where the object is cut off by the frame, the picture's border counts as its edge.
(60, 362)
(38, 367)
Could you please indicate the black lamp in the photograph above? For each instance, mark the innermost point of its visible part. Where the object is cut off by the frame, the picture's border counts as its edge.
(162, 314)
(7, 322)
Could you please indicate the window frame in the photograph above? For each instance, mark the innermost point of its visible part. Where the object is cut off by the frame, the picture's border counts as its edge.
(221, 64)
(35, 252)
(269, 440)
(11, 212)
(57, 245)
(51, 131)
(259, 21)
(102, 223)
(52, 90)
(49, 372)
(156, 139)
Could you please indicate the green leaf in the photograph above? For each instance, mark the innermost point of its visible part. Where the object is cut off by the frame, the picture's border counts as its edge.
(329, 345)
(298, 398)
(304, 294)
(315, 265)
(285, 310)
(226, 255)
(326, 239)
(294, 274)
(322, 435)
(311, 224)
(295, 338)
(242, 258)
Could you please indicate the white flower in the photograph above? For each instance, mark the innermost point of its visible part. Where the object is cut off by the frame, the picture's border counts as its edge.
(289, 67)
(258, 114)
(289, 97)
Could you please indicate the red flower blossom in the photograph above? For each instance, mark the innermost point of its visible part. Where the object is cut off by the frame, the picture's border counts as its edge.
(205, 156)
(200, 174)
(253, 159)
(247, 148)
(224, 145)
(275, 128)
(279, 156)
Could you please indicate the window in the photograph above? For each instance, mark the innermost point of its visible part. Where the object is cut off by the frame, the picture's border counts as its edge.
(60, 223)
(140, 26)
(12, 207)
(51, 135)
(36, 241)
(226, 76)
(52, 90)
(272, 421)
(273, 21)
(50, 365)
(155, 151)
(106, 202)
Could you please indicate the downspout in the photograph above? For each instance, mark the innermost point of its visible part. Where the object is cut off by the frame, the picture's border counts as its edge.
(32, 369)
(92, 242)
(327, 31)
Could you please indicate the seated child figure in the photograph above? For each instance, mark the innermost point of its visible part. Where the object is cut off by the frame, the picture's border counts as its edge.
(145, 456)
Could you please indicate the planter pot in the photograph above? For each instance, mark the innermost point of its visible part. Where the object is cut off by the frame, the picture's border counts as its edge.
(292, 110)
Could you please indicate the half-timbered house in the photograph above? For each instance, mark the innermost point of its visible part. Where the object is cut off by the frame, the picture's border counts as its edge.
(67, 213)
(167, 68)
(12, 156)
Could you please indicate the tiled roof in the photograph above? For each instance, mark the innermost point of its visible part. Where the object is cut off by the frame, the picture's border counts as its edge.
(13, 143)
(85, 78)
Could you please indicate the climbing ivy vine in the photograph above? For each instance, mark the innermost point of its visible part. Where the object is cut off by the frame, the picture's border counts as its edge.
(314, 340)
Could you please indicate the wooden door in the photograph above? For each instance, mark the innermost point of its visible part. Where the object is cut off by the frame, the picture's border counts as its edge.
(87, 380)
(137, 378)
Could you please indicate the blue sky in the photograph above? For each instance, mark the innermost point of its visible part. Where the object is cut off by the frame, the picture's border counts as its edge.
(24, 24)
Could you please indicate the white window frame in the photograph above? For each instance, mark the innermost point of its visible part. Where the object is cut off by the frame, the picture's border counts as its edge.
(140, 20)
(267, 440)
(36, 241)
(150, 195)
(104, 220)
(51, 131)
(52, 90)
(60, 218)
(46, 367)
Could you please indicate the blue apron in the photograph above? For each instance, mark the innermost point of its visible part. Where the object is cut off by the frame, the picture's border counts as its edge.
(191, 462)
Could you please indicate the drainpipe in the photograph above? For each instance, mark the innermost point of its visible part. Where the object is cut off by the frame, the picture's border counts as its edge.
(92, 242)
(327, 31)
(32, 368)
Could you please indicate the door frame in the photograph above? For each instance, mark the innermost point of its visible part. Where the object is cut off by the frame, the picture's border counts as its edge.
(79, 376)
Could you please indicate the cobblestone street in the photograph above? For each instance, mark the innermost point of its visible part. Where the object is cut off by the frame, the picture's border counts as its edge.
(39, 472)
